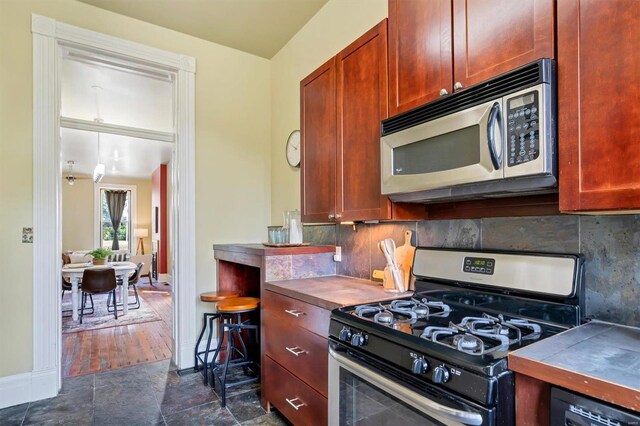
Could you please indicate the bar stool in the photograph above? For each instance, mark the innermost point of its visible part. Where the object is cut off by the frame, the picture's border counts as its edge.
(228, 309)
(209, 297)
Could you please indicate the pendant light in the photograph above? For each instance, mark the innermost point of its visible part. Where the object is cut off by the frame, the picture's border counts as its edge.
(71, 179)
(98, 171)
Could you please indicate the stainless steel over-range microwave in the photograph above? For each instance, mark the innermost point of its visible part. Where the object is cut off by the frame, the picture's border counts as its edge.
(493, 139)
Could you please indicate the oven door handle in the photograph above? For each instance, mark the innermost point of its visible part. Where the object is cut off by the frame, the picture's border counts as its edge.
(414, 398)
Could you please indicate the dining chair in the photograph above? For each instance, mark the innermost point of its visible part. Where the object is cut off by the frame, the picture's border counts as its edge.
(133, 280)
(66, 286)
(98, 281)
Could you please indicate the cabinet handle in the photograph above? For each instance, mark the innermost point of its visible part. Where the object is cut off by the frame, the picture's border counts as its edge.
(443, 92)
(296, 350)
(338, 216)
(457, 86)
(294, 312)
(294, 405)
(331, 217)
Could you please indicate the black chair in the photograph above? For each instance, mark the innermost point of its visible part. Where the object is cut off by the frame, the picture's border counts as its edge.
(66, 286)
(98, 281)
(133, 280)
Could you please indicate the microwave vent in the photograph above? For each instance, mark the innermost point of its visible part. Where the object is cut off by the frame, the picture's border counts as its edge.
(541, 71)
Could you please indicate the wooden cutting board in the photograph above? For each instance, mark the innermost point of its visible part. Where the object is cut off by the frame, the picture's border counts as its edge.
(404, 258)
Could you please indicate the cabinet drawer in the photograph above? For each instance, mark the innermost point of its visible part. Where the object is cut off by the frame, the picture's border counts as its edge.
(296, 312)
(302, 352)
(292, 397)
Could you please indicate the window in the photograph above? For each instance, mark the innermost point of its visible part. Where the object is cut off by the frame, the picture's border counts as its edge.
(104, 227)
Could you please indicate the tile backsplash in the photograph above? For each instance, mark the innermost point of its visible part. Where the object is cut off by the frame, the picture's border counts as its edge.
(610, 244)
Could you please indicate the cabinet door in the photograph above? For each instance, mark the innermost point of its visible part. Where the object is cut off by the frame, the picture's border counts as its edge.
(318, 155)
(362, 104)
(495, 36)
(598, 104)
(420, 61)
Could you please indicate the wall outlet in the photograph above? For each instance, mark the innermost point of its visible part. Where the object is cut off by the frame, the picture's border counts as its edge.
(338, 256)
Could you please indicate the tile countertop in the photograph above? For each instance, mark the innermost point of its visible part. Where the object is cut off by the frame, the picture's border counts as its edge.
(598, 359)
(262, 250)
(333, 291)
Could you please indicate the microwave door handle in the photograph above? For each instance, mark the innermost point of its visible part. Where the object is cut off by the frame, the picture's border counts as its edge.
(494, 118)
(417, 400)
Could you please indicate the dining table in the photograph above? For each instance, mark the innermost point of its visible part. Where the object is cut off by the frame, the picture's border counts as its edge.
(73, 273)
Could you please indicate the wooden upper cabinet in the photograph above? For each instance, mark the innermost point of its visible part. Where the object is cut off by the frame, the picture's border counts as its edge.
(599, 105)
(495, 36)
(420, 58)
(318, 155)
(361, 105)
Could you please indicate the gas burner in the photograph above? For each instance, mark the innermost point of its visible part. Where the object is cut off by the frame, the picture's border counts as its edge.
(366, 311)
(463, 339)
(419, 308)
(467, 342)
(488, 325)
(384, 317)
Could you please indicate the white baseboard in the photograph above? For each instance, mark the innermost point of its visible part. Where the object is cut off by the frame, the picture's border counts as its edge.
(27, 387)
(165, 278)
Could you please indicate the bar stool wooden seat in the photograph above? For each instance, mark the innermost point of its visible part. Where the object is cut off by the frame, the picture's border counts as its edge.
(228, 309)
(201, 357)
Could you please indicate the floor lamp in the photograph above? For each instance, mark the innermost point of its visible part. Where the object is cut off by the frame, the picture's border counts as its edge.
(140, 234)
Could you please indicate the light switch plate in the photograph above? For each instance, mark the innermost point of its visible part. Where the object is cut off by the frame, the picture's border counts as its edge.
(27, 235)
(338, 256)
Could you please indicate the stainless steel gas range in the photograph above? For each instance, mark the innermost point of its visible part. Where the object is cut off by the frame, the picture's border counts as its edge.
(440, 356)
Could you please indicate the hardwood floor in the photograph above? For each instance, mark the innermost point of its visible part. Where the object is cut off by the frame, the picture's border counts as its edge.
(92, 351)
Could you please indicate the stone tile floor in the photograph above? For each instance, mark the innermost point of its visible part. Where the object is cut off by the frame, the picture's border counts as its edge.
(147, 394)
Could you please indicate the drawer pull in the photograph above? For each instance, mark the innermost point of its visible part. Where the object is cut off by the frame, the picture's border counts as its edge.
(296, 350)
(294, 405)
(296, 313)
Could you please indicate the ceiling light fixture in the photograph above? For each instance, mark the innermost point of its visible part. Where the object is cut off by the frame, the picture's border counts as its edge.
(98, 171)
(71, 179)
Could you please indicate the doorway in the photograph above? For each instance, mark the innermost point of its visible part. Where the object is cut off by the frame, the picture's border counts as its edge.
(50, 38)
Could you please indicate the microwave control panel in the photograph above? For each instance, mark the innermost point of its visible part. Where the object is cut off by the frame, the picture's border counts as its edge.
(523, 128)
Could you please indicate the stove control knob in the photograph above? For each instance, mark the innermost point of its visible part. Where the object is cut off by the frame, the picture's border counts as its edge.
(358, 339)
(345, 334)
(419, 366)
(440, 374)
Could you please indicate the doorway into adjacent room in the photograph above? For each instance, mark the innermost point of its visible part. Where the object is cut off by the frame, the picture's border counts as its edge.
(117, 143)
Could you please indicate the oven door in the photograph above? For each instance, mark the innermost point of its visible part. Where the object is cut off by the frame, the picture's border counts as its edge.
(358, 395)
(460, 148)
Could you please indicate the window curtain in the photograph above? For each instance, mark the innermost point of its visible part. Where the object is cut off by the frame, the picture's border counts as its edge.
(115, 203)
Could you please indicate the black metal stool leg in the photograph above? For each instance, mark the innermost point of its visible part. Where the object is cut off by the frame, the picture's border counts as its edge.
(223, 382)
(195, 351)
(221, 323)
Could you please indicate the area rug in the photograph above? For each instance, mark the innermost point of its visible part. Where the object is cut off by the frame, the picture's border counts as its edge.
(101, 318)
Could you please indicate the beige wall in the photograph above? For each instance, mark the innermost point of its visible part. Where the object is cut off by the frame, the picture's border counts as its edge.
(233, 101)
(335, 26)
(78, 212)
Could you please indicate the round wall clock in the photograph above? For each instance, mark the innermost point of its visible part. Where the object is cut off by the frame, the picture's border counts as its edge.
(293, 149)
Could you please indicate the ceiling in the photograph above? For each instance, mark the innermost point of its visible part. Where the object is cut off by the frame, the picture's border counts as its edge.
(260, 27)
(128, 96)
(122, 156)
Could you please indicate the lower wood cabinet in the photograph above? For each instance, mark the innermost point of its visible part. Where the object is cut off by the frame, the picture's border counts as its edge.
(296, 358)
(293, 398)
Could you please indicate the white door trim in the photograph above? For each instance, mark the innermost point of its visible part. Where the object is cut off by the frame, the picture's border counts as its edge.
(48, 37)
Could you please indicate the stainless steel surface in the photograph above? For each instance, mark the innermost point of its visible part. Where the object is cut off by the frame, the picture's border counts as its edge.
(297, 351)
(294, 405)
(492, 175)
(457, 86)
(437, 411)
(482, 171)
(539, 274)
(443, 92)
